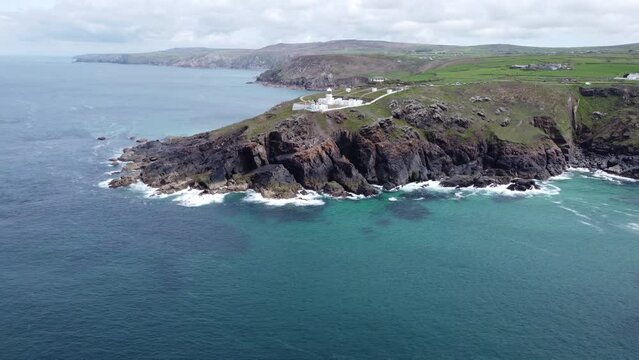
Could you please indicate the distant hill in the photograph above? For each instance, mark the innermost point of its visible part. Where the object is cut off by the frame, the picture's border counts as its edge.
(316, 64)
(271, 55)
(264, 58)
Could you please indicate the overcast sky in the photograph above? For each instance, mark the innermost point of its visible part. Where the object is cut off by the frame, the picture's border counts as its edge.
(80, 26)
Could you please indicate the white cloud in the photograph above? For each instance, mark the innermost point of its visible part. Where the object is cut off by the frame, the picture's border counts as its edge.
(75, 26)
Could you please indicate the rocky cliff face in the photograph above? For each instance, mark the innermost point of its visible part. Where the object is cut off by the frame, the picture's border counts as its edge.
(193, 58)
(317, 72)
(610, 139)
(418, 142)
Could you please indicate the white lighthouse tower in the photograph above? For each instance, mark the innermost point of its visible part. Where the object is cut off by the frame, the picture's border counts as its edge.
(329, 97)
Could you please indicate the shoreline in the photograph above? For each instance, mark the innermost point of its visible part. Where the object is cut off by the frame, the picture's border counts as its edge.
(191, 197)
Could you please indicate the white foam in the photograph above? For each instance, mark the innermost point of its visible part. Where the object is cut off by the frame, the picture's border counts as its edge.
(392, 199)
(310, 198)
(633, 226)
(353, 196)
(563, 176)
(545, 188)
(612, 177)
(591, 225)
(429, 185)
(578, 169)
(105, 184)
(149, 192)
(187, 197)
(575, 212)
(195, 198)
(113, 172)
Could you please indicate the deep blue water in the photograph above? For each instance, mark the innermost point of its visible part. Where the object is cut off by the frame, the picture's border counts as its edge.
(92, 273)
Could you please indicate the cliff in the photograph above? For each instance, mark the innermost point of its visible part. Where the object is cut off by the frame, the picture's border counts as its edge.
(469, 135)
(268, 57)
(317, 72)
(192, 57)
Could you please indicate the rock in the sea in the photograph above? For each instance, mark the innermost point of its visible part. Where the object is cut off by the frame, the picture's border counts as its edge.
(122, 181)
(274, 181)
(615, 169)
(523, 185)
(140, 141)
(334, 189)
(459, 181)
(101, 138)
(462, 181)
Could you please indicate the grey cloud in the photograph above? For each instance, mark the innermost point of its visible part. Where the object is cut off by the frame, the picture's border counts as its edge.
(125, 24)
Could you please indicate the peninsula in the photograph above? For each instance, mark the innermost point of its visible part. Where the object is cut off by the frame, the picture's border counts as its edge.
(472, 135)
(400, 113)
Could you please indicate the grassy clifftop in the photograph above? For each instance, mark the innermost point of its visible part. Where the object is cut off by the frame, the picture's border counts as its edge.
(583, 68)
(470, 135)
(516, 101)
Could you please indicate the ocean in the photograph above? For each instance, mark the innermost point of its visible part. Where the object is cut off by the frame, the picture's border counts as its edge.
(418, 273)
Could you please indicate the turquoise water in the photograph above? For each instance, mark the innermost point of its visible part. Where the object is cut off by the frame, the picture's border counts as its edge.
(87, 272)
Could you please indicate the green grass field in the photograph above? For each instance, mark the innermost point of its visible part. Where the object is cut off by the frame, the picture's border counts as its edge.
(600, 68)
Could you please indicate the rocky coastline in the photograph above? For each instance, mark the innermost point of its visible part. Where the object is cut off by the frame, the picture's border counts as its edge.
(413, 144)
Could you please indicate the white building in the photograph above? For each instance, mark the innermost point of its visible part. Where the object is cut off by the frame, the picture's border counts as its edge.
(377, 79)
(633, 76)
(318, 107)
(338, 102)
(300, 106)
(328, 102)
(328, 99)
(373, 89)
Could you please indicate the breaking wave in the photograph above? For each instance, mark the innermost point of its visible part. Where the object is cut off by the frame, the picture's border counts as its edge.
(546, 188)
(633, 226)
(195, 198)
(612, 177)
(186, 197)
(104, 184)
(303, 198)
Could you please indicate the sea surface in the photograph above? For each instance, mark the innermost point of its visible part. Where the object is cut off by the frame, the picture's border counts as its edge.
(419, 273)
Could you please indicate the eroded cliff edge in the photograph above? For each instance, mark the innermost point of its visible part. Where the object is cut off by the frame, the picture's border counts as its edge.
(473, 135)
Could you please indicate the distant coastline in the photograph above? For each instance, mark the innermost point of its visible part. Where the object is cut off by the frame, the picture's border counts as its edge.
(316, 66)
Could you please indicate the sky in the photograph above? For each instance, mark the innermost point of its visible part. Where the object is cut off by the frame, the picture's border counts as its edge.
(69, 27)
